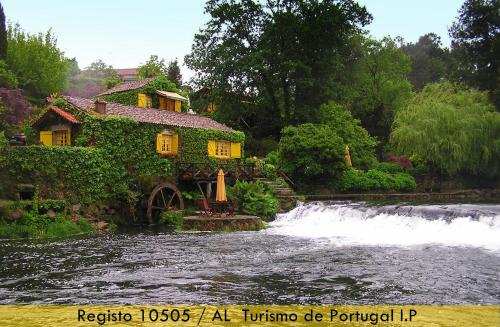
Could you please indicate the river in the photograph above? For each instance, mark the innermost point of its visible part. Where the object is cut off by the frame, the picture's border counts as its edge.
(319, 253)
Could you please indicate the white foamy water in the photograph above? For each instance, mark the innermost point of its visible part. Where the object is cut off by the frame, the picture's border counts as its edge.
(354, 224)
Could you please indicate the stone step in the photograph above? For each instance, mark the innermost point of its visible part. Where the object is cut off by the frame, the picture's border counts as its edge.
(282, 189)
(288, 197)
(280, 186)
(284, 194)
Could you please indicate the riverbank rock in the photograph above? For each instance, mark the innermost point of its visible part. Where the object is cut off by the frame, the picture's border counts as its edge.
(223, 224)
(51, 214)
(13, 214)
(100, 225)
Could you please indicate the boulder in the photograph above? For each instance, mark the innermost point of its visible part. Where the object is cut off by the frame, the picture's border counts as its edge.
(101, 225)
(51, 214)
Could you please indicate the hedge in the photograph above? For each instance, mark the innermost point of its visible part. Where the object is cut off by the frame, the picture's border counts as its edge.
(74, 173)
(375, 180)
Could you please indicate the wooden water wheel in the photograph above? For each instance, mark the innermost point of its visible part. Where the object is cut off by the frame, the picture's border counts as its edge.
(164, 197)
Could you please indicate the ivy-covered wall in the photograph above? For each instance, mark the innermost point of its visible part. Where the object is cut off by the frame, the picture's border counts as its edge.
(128, 98)
(193, 143)
(80, 175)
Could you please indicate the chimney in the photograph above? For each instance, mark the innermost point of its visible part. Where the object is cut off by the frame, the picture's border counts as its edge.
(100, 106)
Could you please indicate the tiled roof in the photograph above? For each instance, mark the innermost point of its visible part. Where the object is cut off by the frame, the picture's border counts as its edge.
(127, 86)
(61, 113)
(66, 115)
(152, 116)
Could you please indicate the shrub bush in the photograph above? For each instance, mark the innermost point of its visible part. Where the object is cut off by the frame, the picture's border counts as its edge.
(269, 171)
(174, 218)
(375, 180)
(387, 167)
(405, 182)
(253, 198)
(272, 158)
(34, 225)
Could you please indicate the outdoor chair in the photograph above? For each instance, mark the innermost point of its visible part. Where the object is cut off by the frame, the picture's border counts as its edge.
(205, 209)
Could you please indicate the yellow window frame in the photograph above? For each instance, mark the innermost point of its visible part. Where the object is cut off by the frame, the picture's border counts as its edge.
(222, 149)
(167, 143)
(61, 137)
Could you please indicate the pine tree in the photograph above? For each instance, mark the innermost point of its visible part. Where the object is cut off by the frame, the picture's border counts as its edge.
(174, 73)
(3, 35)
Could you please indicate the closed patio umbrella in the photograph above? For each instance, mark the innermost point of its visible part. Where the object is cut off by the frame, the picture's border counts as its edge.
(220, 196)
(347, 156)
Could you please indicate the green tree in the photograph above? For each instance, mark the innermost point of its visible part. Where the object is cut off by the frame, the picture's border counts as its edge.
(452, 129)
(154, 67)
(100, 70)
(311, 153)
(174, 73)
(476, 44)
(277, 55)
(340, 120)
(39, 65)
(429, 61)
(379, 86)
(105, 73)
(7, 78)
(3, 35)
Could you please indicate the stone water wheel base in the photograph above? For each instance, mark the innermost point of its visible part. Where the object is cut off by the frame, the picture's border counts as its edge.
(223, 224)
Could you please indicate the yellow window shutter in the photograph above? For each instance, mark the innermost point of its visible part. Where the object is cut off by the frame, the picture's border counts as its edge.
(158, 143)
(175, 143)
(46, 137)
(177, 106)
(68, 136)
(141, 100)
(163, 103)
(235, 150)
(211, 148)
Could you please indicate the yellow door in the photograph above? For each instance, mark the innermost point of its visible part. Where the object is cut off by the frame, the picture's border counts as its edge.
(46, 137)
(177, 106)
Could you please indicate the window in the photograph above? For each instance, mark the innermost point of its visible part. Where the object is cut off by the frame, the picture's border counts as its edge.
(167, 143)
(61, 137)
(224, 149)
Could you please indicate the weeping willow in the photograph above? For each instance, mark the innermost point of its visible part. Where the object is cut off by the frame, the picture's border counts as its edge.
(452, 129)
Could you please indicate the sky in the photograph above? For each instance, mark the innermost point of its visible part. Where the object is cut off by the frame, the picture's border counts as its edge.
(124, 33)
